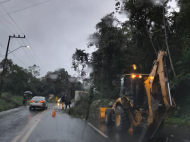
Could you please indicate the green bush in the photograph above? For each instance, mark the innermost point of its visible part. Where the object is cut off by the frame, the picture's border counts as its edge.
(180, 121)
(3, 105)
(180, 116)
(17, 100)
(81, 107)
(6, 94)
(8, 101)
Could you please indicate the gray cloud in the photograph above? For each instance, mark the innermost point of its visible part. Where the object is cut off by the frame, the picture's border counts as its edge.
(54, 29)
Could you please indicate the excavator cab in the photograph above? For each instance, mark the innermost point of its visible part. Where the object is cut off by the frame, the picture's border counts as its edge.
(132, 87)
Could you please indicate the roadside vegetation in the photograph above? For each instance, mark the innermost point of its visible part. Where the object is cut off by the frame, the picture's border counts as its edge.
(181, 115)
(151, 26)
(18, 80)
(9, 101)
(83, 110)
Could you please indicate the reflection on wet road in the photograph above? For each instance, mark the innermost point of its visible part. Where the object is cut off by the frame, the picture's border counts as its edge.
(114, 135)
(13, 121)
(22, 125)
(170, 133)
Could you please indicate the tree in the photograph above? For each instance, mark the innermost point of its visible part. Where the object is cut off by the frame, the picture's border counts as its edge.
(34, 70)
(80, 61)
(58, 83)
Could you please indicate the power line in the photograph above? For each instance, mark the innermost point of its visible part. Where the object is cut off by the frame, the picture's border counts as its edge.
(28, 7)
(25, 52)
(36, 55)
(4, 1)
(11, 18)
(8, 27)
(15, 56)
(21, 30)
(22, 33)
(19, 60)
(18, 41)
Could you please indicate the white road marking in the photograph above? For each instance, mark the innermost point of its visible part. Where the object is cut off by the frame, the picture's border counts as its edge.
(98, 130)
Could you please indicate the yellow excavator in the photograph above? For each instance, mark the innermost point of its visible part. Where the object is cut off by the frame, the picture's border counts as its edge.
(144, 99)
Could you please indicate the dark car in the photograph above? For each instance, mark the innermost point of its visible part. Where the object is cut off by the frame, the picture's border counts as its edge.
(38, 102)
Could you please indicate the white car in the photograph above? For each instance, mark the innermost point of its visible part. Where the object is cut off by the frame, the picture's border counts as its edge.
(38, 102)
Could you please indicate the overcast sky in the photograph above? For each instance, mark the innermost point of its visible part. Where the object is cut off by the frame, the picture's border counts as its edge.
(54, 30)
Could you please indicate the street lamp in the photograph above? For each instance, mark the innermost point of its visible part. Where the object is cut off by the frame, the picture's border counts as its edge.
(18, 48)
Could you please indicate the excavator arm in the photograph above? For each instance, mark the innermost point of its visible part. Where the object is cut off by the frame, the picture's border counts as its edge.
(158, 79)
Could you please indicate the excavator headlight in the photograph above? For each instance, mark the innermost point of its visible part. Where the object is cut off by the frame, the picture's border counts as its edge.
(133, 76)
(138, 76)
(134, 67)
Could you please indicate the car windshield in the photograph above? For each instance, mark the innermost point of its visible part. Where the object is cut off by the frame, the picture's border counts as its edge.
(94, 70)
(38, 98)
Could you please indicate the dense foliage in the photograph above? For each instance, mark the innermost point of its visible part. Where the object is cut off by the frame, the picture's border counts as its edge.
(17, 80)
(150, 27)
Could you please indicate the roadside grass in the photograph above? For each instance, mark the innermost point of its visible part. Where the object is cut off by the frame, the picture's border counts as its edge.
(180, 116)
(9, 101)
(182, 121)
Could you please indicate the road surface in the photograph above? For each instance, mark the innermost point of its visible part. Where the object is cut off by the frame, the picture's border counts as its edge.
(22, 125)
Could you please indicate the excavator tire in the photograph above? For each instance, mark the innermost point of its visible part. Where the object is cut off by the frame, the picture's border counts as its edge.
(122, 121)
(108, 116)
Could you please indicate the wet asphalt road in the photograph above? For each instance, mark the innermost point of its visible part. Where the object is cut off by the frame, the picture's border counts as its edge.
(22, 125)
(13, 121)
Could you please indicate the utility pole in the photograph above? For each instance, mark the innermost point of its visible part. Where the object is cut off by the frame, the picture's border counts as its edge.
(4, 62)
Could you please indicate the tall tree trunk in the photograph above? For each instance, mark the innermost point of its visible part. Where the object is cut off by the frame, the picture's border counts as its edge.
(166, 39)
